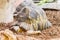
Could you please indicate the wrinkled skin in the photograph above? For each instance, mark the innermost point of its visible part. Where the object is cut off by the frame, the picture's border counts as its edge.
(28, 13)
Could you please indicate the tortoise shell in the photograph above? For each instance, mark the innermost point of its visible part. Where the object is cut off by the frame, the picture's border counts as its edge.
(31, 17)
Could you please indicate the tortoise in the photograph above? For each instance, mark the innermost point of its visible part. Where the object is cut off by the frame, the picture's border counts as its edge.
(31, 17)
